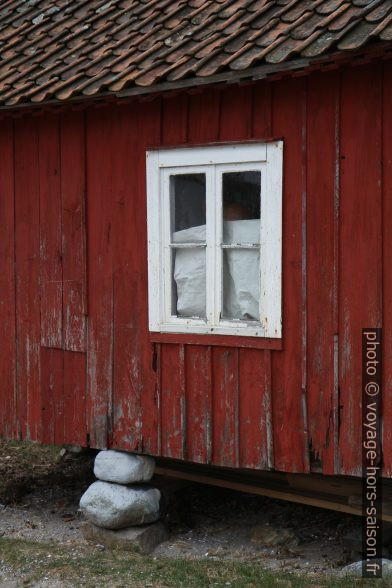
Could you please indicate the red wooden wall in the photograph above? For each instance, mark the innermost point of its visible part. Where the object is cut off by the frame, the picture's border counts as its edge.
(77, 364)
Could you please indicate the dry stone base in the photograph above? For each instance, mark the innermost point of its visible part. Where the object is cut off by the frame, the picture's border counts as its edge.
(137, 539)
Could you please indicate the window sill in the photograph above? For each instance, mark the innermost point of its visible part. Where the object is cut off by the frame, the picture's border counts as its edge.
(221, 340)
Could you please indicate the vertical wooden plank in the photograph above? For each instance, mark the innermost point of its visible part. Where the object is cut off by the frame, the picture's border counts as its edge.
(173, 398)
(27, 264)
(203, 126)
(203, 117)
(172, 401)
(225, 377)
(255, 410)
(74, 398)
(322, 412)
(235, 124)
(73, 192)
(52, 395)
(290, 442)
(236, 114)
(360, 245)
(262, 111)
(7, 283)
(198, 402)
(134, 378)
(73, 187)
(47, 384)
(336, 400)
(387, 269)
(175, 119)
(101, 152)
(128, 373)
(50, 232)
(148, 133)
(51, 272)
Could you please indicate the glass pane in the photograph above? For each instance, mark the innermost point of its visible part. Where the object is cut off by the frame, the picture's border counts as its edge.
(241, 204)
(188, 207)
(241, 284)
(189, 282)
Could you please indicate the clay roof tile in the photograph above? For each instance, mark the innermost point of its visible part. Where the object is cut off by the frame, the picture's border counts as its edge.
(62, 49)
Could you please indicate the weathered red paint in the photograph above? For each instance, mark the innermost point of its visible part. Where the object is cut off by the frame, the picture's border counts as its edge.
(28, 272)
(290, 435)
(8, 409)
(321, 117)
(73, 214)
(78, 364)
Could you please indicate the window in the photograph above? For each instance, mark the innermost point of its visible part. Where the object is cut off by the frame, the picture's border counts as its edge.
(214, 239)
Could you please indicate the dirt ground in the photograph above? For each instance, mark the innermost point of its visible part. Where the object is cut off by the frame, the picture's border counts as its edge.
(40, 488)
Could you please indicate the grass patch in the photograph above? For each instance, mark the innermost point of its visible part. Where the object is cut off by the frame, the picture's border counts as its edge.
(90, 568)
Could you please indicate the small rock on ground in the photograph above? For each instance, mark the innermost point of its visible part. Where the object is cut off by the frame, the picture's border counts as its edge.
(270, 537)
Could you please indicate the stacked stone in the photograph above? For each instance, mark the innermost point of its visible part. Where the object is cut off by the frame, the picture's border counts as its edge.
(120, 498)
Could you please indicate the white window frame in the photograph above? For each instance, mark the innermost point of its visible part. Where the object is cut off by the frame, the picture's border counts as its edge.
(213, 161)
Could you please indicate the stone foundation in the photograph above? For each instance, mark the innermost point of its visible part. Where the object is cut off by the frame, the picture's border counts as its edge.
(120, 504)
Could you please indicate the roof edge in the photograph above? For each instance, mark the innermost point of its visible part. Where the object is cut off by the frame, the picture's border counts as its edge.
(304, 65)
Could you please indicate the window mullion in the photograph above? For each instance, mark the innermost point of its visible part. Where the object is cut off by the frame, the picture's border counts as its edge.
(210, 248)
(166, 249)
(217, 245)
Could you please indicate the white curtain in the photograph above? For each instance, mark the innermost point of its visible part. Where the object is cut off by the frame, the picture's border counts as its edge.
(241, 289)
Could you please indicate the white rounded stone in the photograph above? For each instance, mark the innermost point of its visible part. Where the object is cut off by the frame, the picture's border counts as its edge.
(355, 569)
(113, 506)
(123, 468)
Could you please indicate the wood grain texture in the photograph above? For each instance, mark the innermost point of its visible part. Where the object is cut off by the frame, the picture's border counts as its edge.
(50, 232)
(174, 122)
(360, 246)
(255, 409)
(173, 401)
(27, 268)
(134, 382)
(173, 384)
(203, 116)
(79, 364)
(199, 403)
(101, 155)
(236, 122)
(8, 408)
(203, 126)
(225, 395)
(52, 395)
(74, 390)
(262, 111)
(73, 214)
(290, 435)
(148, 131)
(128, 369)
(321, 167)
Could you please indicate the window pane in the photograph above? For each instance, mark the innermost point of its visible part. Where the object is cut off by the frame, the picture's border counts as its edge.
(241, 284)
(241, 202)
(188, 206)
(189, 282)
